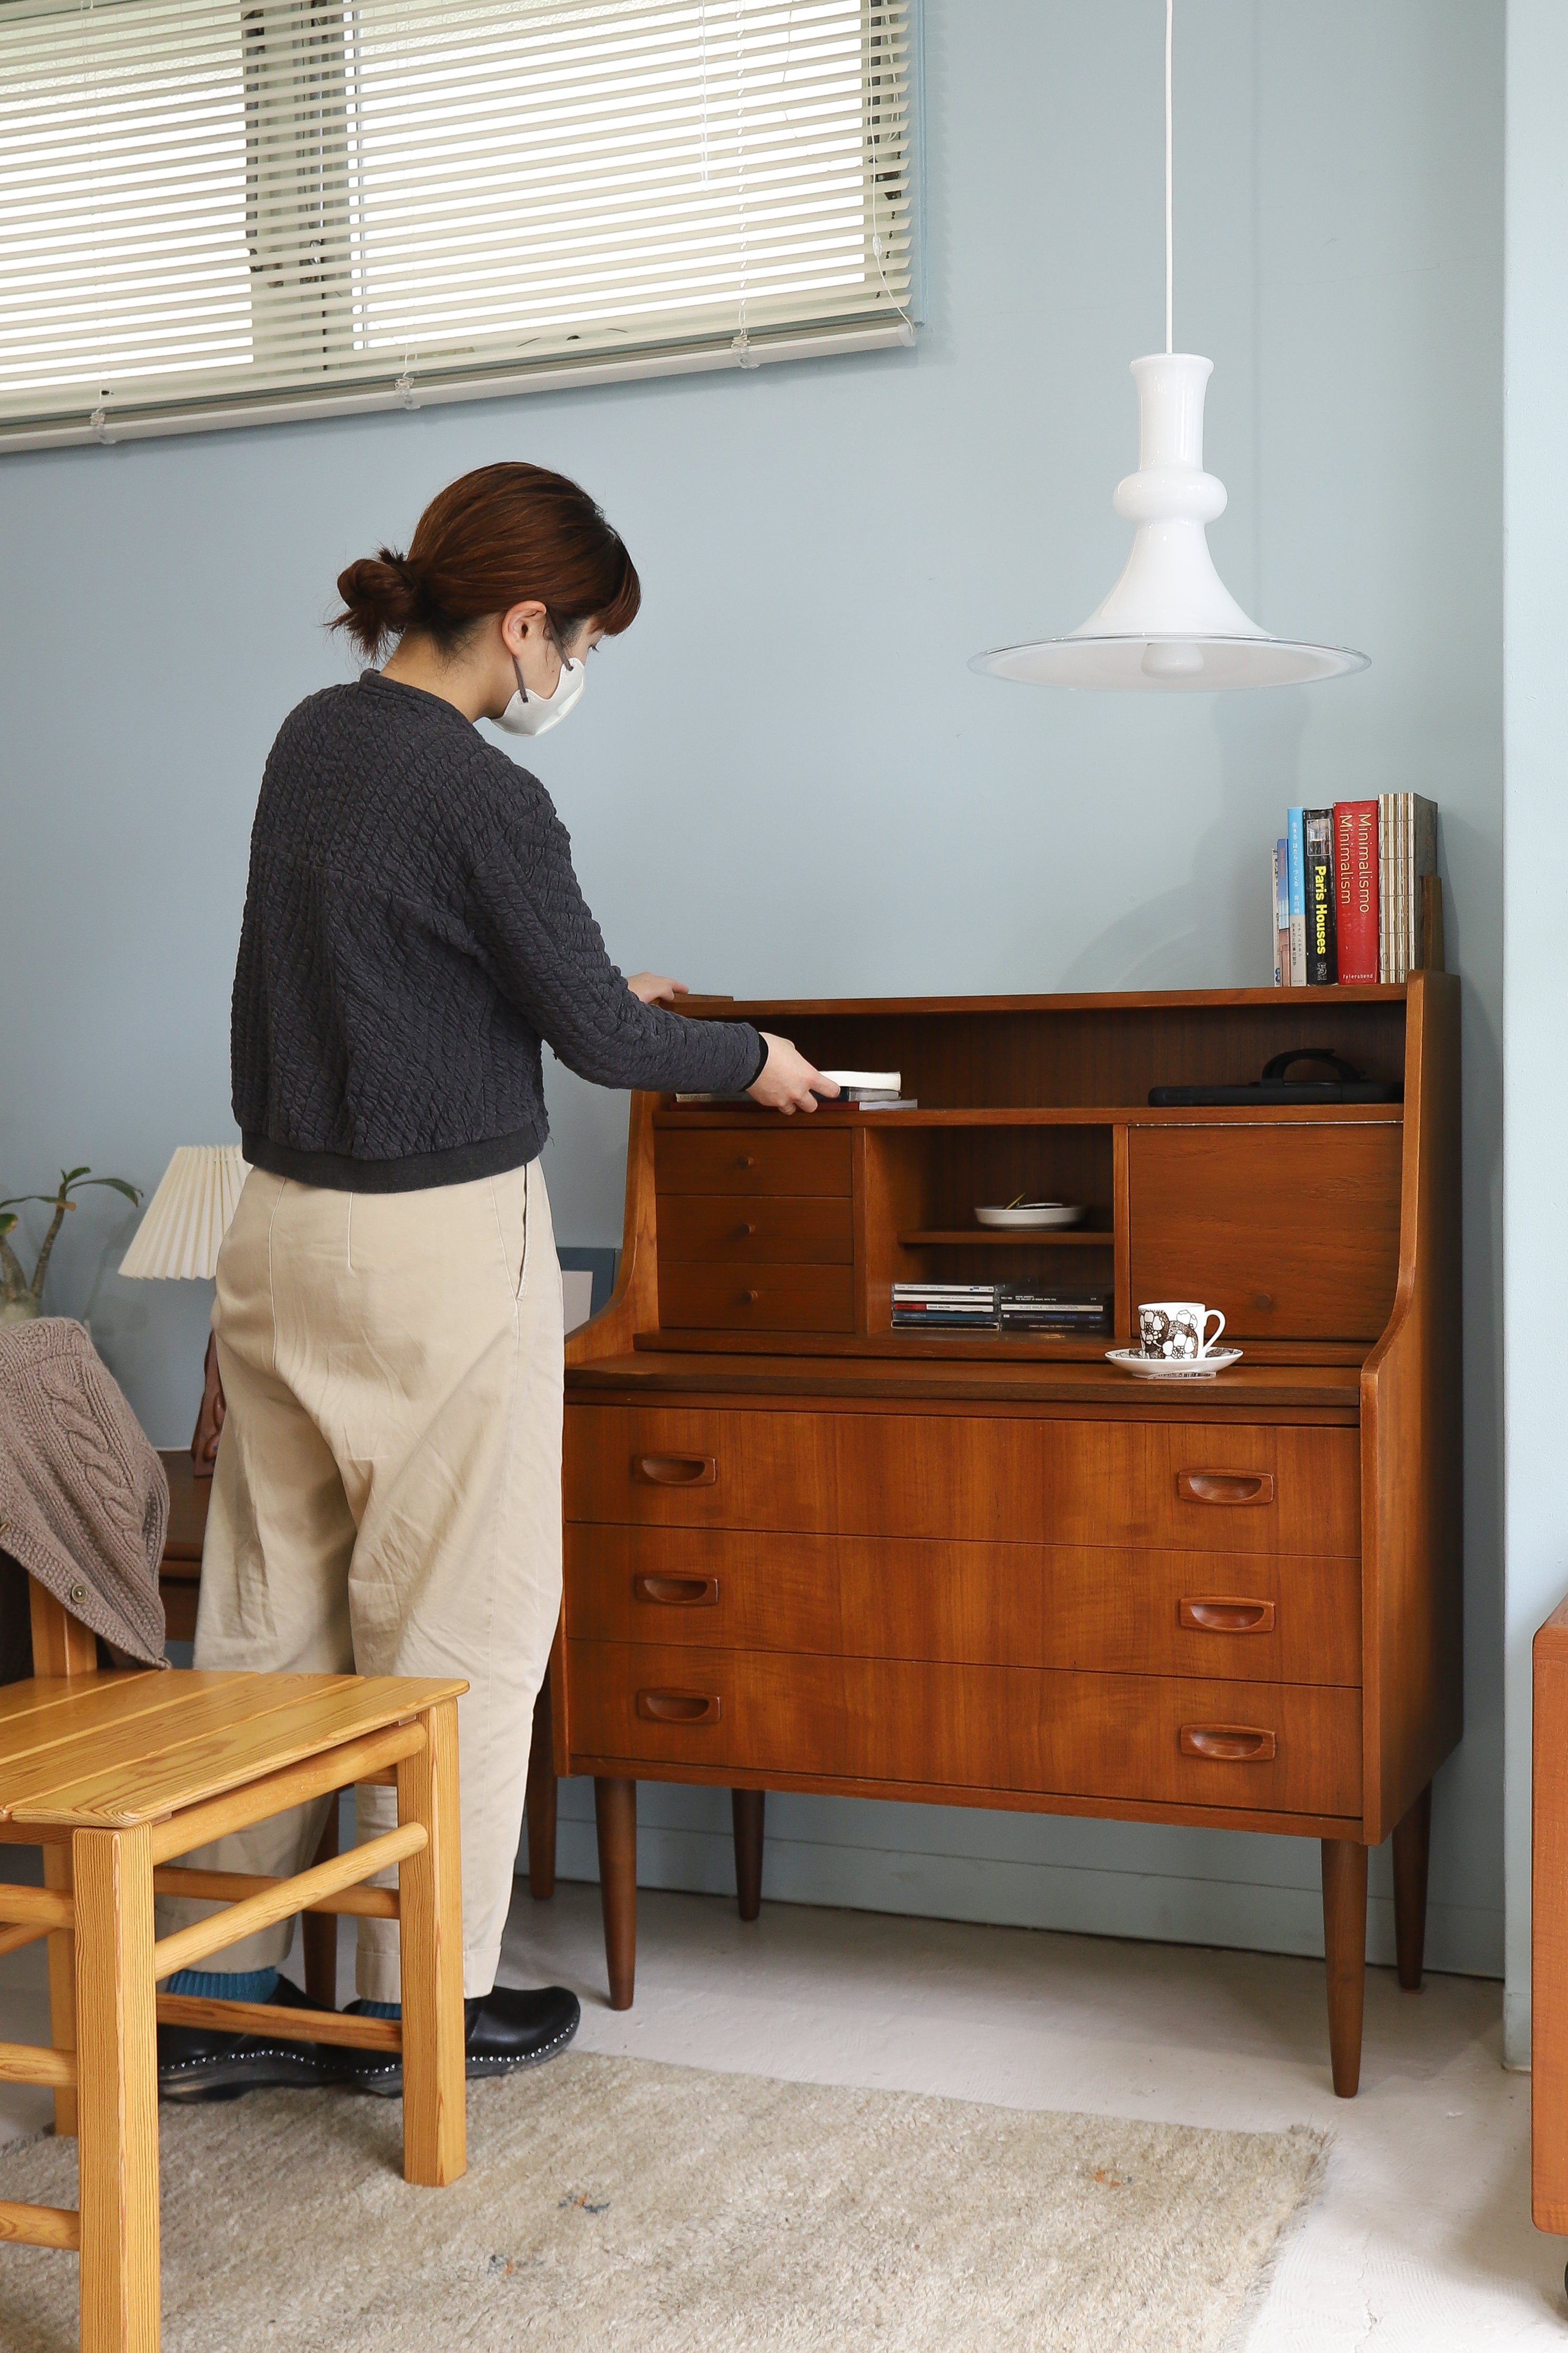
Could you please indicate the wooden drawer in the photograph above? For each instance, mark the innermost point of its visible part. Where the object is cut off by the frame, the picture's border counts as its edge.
(1293, 1232)
(732, 1160)
(726, 1229)
(756, 1298)
(1130, 1737)
(1019, 1479)
(1098, 1608)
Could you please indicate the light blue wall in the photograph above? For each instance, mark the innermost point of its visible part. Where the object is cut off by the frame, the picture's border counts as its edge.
(1535, 1128)
(785, 780)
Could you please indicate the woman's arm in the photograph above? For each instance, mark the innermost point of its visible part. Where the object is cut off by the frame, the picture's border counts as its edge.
(547, 956)
(786, 1081)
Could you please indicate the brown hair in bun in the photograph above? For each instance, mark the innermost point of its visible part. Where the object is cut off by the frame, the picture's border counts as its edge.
(504, 536)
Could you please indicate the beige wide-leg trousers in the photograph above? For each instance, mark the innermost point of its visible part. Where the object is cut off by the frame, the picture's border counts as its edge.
(387, 1498)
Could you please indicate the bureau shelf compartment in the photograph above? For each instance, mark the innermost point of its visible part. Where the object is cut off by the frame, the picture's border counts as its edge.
(749, 1443)
(922, 1187)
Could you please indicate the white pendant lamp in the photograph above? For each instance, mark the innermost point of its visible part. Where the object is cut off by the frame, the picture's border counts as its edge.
(1170, 626)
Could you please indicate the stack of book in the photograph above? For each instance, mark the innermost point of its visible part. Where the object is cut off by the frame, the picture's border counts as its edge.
(868, 1089)
(872, 1089)
(1021, 1308)
(1355, 894)
(944, 1306)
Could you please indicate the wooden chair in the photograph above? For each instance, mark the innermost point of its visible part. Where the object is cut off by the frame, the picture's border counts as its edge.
(115, 1775)
(1549, 1926)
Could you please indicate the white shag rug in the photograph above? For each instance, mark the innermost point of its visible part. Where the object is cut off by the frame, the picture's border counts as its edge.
(616, 2203)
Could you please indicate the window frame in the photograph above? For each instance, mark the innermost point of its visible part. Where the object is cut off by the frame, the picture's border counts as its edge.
(434, 386)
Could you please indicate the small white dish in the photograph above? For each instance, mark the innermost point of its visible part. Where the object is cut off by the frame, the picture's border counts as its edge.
(1033, 1214)
(1173, 1368)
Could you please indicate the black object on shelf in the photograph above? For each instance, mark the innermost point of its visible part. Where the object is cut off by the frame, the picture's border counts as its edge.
(1347, 1086)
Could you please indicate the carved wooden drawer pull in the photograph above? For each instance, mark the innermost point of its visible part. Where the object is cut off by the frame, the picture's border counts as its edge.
(675, 1470)
(1225, 1486)
(1220, 1613)
(1230, 1744)
(744, 1230)
(677, 1592)
(745, 1160)
(680, 1707)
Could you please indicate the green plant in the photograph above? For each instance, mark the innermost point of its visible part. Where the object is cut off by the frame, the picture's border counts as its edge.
(20, 1298)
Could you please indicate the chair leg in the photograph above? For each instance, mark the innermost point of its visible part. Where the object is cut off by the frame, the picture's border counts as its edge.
(1345, 1952)
(318, 1930)
(615, 1819)
(1412, 1847)
(747, 1809)
(117, 2053)
(62, 1987)
(430, 1906)
(540, 1801)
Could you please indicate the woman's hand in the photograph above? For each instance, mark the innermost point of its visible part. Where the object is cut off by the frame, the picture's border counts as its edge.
(214, 1407)
(654, 989)
(788, 1081)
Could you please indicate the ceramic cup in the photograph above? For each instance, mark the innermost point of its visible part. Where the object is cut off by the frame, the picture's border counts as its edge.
(1177, 1327)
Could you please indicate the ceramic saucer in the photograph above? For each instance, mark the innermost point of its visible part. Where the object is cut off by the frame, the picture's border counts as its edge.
(1173, 1368)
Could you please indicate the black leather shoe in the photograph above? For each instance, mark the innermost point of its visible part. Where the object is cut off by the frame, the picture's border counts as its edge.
(505, 2030)
(196, 2063)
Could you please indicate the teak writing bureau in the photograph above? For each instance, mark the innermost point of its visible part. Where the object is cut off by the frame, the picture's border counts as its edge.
(805, 1551)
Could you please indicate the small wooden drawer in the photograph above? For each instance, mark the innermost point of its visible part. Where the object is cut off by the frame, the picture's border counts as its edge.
(1257, 1747)
(721, 1230)
(756, 1298)
(734, 1160)
(1238, 1488)
(1095, 1607)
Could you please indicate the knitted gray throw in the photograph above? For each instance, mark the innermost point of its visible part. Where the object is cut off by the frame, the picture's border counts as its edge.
(84, 1503)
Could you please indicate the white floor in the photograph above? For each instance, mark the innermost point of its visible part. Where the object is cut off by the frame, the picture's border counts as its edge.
(1422, 2242)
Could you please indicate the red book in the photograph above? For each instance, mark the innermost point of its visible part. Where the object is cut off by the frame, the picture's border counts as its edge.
(1356, 889)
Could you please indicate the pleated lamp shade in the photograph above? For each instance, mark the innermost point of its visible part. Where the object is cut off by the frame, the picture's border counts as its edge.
(188, 1216)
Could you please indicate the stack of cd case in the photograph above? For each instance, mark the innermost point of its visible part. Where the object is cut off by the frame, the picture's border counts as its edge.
(944, 1306)
(996, 1308)
(1021, 1308)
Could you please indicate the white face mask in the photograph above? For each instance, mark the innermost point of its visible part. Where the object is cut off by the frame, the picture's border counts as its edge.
(529, 714)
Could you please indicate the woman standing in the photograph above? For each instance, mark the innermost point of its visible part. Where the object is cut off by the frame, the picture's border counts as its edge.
(386, 1498)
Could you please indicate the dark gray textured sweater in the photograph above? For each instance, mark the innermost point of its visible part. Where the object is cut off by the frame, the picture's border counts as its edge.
(413, 929)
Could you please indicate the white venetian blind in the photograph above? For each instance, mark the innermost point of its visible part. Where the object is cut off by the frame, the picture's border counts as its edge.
(208, 208)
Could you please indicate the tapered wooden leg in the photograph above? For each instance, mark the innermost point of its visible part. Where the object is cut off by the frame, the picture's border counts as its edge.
(318, 1930)
(1412, 1847)
(616, 1816)
(62, 1986)
(749, 1806)
(117, 2053)
(1345, 1951)
(430, 1910)
(540, 1801)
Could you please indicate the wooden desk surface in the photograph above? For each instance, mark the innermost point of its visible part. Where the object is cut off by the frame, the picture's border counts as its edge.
(1269, 1390)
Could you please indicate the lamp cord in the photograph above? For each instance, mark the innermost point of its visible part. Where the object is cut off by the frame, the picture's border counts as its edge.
(1169, 243)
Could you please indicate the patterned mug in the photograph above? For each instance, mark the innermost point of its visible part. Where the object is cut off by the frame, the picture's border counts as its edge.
(1177, 1327)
